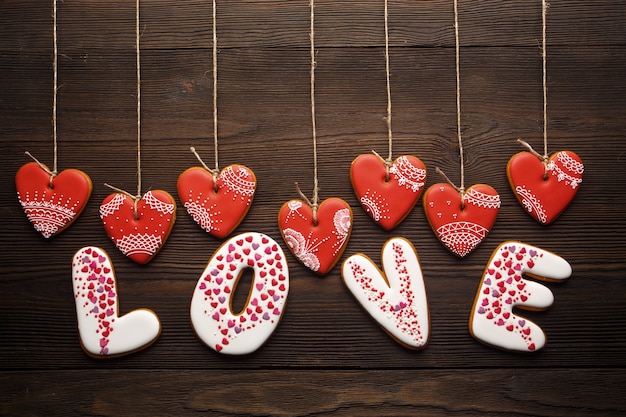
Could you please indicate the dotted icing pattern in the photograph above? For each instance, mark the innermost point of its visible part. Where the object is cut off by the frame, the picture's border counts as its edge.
(503, 287)
(396, 300)
(217, 212)
(102, 332)
(211, 312)
(139, 239)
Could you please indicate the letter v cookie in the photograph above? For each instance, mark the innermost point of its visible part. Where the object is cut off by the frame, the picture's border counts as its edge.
(103, 333)
(503, 287)
(395, 298)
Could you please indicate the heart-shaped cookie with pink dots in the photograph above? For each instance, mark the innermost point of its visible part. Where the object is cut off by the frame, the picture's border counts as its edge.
(139, 230)
(461, 221)
(218, 206)
(545, 190)
(317, 246)
(51, 203)
(387, 195)
(103, 332)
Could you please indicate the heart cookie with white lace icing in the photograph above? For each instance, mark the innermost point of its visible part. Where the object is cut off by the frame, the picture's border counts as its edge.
(317, 246)
(387, 200)
(52, 204)
(545, 190)
(217, 206)
(461, 221)
(139, 231)
(103, 332)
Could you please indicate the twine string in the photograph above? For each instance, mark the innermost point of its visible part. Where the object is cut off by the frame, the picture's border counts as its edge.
(389, 160)
(55, 71)
(215, 141)
(544, 12)
(458, 94)
(138, 59)
(461, 188)
(315, 200)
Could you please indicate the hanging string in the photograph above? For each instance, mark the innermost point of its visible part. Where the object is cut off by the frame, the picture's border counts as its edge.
(136, 197)
(138, 57)
(544, 158)
(315, 200)
(55, 86)
(461, 188)
(55, 71)
(389, 160)
(544, 12)
(217, 166)
(458, 94)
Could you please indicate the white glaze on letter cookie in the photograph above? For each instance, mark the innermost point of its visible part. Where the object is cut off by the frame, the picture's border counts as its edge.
(503, 287)
(395, 298)
(102, 332)
(211, 312)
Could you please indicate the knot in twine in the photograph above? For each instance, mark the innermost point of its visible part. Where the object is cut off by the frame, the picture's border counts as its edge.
(53, 173)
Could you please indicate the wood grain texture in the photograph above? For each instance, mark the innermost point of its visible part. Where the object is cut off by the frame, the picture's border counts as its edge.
(327, 356)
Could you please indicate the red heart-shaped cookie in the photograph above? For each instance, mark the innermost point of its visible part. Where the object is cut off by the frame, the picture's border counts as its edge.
(388, 202)
(318, 246)
(543, 196)
(220, 211)
(51, 205)
(461, 222)
(139, 237)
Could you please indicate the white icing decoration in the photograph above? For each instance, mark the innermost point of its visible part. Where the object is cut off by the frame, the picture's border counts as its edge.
(395, 298)
(211, 313)
(503, 287)
(102, 332)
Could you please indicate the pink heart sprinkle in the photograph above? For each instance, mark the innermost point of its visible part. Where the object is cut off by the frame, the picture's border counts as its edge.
(237, 329)
(202, 286)
(216, 316)
(219, 280)
(103, 342)
(266, 316)
(231, 247)
(254, 317)
(276, 312)
(110, 312)
(231, 323)
(229, 258)
(259, 286)
(481, 310)
(221, 299)
(255, 246)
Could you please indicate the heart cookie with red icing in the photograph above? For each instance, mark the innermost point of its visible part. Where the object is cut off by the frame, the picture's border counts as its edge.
(142, 233)
(51, 204)
(545, 191)
(103, 332)
(317, 246)
(387, 200)
(217, 206)
(461, 222)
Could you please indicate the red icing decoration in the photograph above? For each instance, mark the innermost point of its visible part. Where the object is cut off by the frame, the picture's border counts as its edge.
(461, 230)
(387, 202)
(218, 213)
(52, 209)
(139, 238)
(320, 246)
(545, 199)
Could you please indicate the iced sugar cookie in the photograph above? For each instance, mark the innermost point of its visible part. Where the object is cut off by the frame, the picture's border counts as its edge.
(217, 206)
(545, 191)
(504, 287)
(387, 194)
(212, 316)
(395, 298)
(139, 231)
(103, 333)
(461, 221)
(52, 203)
(317, 246)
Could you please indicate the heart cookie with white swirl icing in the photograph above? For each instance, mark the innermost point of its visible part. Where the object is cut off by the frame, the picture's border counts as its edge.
(387, 195)
(218, 206)
(317, 246)
(545, 190)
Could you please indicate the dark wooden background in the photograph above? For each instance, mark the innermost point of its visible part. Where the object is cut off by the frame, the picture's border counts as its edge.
(327, 356)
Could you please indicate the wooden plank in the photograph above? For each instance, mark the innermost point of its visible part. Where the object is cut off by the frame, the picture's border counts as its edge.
(431, 393)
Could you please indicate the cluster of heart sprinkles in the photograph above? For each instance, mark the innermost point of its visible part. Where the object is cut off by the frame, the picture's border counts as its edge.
(211, 311)
(503, 287)
(397, 301)
(95, 291)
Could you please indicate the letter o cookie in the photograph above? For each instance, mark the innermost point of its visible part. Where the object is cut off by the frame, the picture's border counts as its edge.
(211, 312)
